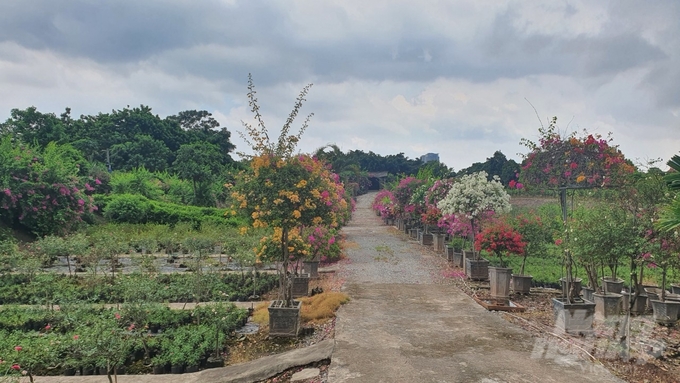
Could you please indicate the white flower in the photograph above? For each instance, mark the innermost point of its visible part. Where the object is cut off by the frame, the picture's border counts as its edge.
(474, 194)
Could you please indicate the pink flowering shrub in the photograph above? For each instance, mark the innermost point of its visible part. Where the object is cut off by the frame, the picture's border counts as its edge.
(45, 191)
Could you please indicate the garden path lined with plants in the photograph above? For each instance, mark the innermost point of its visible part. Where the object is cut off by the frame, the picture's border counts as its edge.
(406, 324)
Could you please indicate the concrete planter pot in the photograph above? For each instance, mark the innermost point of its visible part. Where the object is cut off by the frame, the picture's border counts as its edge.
(640, 305)
(607, 305)
(284, 321)
(575, 287)
(573, 318)
(311, 268)
(438, 242)
(521, 284)
(675, 289)
(477, 270)
(425, 239)
(613, 285)
(499, 283)
(587, 293)
(413, 233)
(449, 253)
(666, 312)
(653, 293)
(457, 259)
(300, 286)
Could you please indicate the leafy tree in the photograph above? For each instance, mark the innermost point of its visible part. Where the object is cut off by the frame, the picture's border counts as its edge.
(497, 165)
(200, 127)
(200, 163)
(31, 126)
(142, 151)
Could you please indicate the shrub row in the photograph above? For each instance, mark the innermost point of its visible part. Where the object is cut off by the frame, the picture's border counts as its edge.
(58, 289)
(135, 208)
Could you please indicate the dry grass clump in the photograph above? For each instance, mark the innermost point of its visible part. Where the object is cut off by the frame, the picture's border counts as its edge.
(261, 314)
(317, 308)
(322, 306)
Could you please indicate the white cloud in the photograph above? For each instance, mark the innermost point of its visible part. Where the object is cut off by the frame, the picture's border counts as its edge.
(454, 78)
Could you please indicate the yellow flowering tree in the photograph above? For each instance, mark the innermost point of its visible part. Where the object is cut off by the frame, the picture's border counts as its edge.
(285, 192)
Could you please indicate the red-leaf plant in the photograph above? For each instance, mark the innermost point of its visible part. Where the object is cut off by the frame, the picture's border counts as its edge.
(501, 239)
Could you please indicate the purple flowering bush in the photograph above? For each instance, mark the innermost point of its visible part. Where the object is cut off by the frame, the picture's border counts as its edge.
(43, 190)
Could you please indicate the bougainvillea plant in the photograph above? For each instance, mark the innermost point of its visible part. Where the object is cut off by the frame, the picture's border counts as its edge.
(501, 239)
(384, 203)
(573, 161)
(323, 243)
(43, 190)
(284, 191)
(403, 193)
(473, 195)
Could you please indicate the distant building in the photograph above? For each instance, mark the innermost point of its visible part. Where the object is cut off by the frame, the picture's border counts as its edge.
(430, 157)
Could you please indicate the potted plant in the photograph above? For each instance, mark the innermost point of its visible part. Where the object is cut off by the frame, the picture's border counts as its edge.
(564, 163)
(321, 241)
(536, 236)
(455, 255)
(471, 197)
(601, 236)
(285, 192)
(501, 239)
(666, 247)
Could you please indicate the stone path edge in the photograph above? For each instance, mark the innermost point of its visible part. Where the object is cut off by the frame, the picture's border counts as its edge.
(268, 366)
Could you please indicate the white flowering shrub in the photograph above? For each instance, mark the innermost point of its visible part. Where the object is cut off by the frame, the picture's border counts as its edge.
(473, 195)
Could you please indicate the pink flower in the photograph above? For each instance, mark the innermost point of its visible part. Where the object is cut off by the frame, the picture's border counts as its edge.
(573, 165)
(8, 192)
(75, 337)
(18, 348)
(16, 367)
(519, 185)
(512, 184)
(132, 327)
(117, 315)
(558, 242)
(48, 327)
(331, 240)
(81, 202)
(651, 265)
(97, 181)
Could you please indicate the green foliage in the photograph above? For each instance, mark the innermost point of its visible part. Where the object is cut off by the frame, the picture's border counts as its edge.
(130, 288)
(43, 190)
(497, 165)
(129, 208)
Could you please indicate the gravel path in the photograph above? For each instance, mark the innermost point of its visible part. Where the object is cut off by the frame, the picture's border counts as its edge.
(404, 324)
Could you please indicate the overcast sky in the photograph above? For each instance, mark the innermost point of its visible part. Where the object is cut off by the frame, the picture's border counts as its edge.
(457, 78)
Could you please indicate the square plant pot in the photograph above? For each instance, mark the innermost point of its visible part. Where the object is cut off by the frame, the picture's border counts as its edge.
(521, 284)
(666, 312)
(607, 305)
(573, 318)
(426, 239)
(477, 270)
(311, 268)
(300, 286)
(284, 321)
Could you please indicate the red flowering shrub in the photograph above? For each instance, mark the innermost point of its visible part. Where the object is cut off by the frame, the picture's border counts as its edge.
(501, 239)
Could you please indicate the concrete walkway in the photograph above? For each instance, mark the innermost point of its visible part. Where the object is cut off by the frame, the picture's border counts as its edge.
(402, 326)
